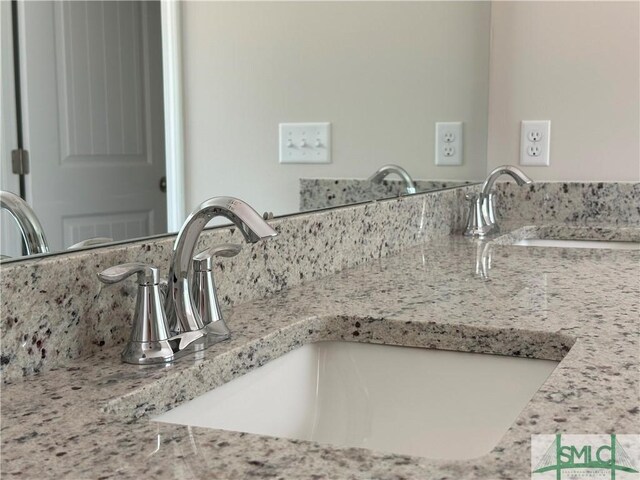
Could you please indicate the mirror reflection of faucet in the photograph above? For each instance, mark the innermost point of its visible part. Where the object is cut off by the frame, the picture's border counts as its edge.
(187, 315)
(31, 230)
(385, 170)
(484, 251)
(481, 213)
(529, 289)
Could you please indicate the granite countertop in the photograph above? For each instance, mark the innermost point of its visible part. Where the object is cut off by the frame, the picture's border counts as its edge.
(90, 419)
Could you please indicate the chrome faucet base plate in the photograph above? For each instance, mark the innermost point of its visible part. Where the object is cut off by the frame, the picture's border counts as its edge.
(148, 353)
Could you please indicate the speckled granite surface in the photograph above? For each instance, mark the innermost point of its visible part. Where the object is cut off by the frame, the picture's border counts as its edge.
(90, 418)
(318, 193)
(55, 309)
(88, 415)
(559, 202)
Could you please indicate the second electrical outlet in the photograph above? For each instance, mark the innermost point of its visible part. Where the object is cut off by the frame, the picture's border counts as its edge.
(449, 143)
(535, 137)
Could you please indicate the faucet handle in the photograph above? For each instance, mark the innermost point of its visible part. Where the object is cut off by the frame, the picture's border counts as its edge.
(149, 339)
(204, 289)
(202, 262)
(147, 275)
(477, 224)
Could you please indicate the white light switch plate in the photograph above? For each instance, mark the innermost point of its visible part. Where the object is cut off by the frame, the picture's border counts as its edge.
(449, 143)
(305, 142)
(535, 138)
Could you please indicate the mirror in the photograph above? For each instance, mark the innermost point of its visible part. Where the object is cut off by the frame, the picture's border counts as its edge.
(381, 74)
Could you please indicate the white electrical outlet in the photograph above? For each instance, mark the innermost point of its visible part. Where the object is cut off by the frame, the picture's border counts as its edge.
(535, 137)
(449, 143)
(305, 142)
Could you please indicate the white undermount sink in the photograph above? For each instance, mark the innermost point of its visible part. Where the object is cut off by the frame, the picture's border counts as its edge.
(548, 242)
(430, 403)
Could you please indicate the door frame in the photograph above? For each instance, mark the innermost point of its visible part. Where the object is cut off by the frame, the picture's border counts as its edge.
(171, 20)
(9, 125)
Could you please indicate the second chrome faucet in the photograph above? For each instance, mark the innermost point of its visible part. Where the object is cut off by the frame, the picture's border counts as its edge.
(187, 315)
(481, 216)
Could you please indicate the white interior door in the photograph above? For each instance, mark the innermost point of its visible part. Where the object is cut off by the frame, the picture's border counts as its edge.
(93, 118)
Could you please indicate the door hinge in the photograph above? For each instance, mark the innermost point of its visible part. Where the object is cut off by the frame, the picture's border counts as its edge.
(20, 161)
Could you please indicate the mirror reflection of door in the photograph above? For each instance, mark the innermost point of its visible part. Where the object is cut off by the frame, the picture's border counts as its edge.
(92, 108)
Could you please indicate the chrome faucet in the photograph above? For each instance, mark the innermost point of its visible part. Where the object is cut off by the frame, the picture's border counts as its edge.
(481, 216)
(179, 305)
(188, 318)
(28, 223)
(386, 170)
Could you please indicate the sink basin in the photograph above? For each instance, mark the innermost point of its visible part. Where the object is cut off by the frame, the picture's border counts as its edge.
(430, 403)
(548, 242)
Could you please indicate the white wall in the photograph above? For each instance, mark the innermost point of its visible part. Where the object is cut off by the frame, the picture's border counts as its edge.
(382, 72)
(576, 64)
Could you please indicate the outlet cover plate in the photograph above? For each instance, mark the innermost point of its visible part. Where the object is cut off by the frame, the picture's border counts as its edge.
(449, 142)
(535, 139)
(305, 142)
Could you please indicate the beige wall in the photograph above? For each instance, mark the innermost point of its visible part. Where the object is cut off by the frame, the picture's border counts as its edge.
(384, 75)
(382, 72)
(576, 64)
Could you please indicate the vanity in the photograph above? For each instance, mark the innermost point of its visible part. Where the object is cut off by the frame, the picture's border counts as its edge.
(397, 272)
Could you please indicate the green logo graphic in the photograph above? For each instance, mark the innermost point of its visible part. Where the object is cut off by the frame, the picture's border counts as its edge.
(607, 457)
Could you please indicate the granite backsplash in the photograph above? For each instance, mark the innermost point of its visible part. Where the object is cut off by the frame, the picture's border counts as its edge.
(576, 202)
(318, 193)
(54, 308)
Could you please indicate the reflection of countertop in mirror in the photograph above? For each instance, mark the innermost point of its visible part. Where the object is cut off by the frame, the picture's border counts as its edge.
(86, 414)
(89, 419)
(316, 193)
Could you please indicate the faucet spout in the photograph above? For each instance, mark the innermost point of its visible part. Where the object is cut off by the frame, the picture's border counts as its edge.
(30, 227)
(518, 175)
(179, 305)
(386, 170)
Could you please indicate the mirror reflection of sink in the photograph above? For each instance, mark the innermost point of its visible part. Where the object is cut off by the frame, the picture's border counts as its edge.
(430, 403)
(548, 242)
